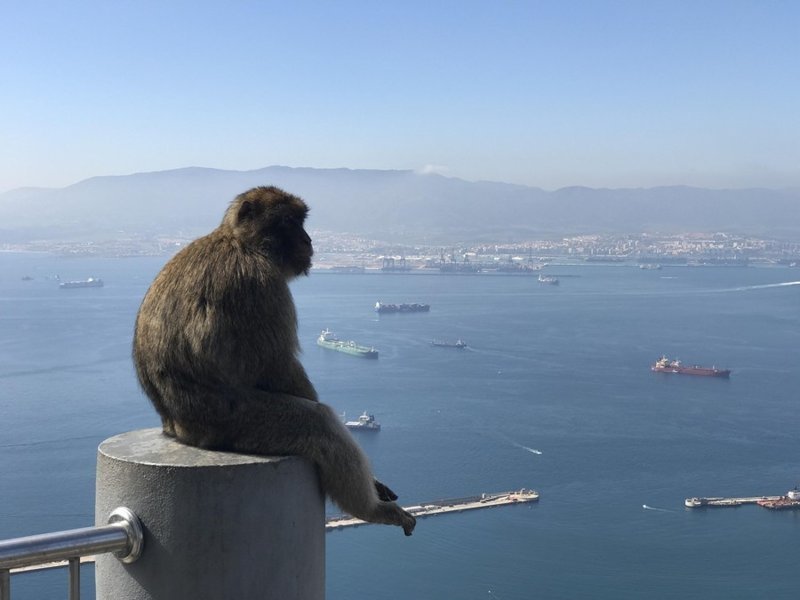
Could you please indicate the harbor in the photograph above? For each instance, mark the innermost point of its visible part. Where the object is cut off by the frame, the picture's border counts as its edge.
(790, 500)
(439, 507)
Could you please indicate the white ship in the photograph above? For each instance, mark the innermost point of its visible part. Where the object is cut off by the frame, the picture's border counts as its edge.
(83, 283)
(365, 422)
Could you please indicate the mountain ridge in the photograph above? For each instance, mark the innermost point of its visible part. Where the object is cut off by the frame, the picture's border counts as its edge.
(396, 205)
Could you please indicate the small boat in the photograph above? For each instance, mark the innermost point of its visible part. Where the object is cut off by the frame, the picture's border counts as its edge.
(366, 422)
(548, 279)
(459, 343)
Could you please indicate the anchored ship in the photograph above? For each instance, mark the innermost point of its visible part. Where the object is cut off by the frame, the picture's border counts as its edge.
(442, 344)
(83, 283)
(402, 308)
(666, 365)
(791, 501)
(327, 339)
(365, 422)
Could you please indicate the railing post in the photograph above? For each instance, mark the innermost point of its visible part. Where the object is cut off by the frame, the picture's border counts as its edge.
(74, 579)
(216, 524)
(5, 584)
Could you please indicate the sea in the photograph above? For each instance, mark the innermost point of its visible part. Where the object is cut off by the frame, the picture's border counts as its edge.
(554, 392)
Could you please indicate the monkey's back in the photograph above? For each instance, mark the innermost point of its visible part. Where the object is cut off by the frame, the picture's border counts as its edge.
(214, 316)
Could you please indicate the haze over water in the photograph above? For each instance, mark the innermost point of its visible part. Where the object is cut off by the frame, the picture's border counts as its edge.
(553, 393)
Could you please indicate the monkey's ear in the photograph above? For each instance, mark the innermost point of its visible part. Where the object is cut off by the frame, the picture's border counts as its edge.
(246, 210)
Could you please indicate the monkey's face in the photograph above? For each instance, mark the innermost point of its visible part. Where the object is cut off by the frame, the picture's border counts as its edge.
(272, 221)
(296, 248)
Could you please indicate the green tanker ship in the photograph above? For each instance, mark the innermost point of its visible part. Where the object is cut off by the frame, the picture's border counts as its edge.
(328, 340)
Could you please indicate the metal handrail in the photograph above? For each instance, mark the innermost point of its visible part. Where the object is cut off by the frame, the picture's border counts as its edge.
(123, 536)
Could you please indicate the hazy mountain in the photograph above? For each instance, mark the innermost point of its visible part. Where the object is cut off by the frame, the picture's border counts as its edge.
(394, 205)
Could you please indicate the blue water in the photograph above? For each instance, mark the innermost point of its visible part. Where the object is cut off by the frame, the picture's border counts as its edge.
(554, 393)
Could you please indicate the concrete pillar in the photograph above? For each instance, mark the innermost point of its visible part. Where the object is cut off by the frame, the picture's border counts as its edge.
(217, 525)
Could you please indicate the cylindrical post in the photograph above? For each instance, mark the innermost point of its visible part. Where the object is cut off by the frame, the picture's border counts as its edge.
(216, 524)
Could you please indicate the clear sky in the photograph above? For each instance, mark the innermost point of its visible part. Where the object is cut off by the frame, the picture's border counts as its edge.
(544, 93)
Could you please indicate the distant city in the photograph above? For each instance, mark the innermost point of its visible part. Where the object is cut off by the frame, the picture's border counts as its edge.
(645, 249)
(345, 252)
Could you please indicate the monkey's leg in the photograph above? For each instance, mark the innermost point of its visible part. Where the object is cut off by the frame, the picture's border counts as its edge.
(272, 423)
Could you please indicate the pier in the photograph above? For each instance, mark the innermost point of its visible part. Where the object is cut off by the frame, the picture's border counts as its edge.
(790, 500)
(698, 502)
(439, 507)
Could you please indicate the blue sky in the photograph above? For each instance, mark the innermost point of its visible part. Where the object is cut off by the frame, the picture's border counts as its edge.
(549, 94)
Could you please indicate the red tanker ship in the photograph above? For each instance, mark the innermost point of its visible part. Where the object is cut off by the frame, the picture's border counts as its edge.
(666, 365)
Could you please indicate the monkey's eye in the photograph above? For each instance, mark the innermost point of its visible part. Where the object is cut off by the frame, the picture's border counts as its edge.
(289, 221)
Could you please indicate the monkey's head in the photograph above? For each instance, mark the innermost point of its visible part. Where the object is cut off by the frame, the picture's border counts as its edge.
(270, 220)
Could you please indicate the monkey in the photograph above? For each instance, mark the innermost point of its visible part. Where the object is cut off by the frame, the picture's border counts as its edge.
(215, 349)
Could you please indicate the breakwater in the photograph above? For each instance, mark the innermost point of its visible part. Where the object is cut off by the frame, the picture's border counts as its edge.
(439, 507)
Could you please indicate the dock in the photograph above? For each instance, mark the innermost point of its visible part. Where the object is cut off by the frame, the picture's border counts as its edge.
(789, 501)
(440, 507)
(698, 502)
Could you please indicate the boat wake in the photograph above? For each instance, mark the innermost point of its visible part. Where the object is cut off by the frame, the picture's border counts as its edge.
(645, 507)
(764, 286)
(508, 440)
(531, 450)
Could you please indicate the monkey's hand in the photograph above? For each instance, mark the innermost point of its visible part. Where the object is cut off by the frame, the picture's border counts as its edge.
(407, 522)
(384, 493)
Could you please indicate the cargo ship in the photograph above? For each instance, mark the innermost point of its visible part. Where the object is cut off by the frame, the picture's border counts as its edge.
(83, 283)
(791, 501)
(666, 365)
(327, 339)
(365, 422)
(380, 307)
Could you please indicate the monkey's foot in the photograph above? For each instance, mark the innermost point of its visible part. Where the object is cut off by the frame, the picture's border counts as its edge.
(168, 427)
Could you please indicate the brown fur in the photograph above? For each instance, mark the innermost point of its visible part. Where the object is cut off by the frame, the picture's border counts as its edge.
(216, 351)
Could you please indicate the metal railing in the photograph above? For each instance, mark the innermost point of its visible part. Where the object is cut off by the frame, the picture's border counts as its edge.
(123, 536)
